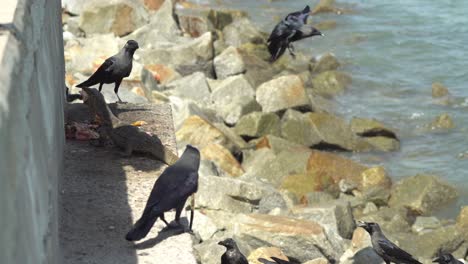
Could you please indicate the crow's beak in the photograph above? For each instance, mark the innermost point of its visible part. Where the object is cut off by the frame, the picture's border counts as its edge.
(221, 243)
(436, 259)
(321, 34)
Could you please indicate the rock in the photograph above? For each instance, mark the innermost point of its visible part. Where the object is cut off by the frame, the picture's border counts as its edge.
(462, 219)
(370, 208)
(203, 225)
(276, 144)
(199, 132)
(325, 6)
(320, 130)
(194, 87)
(282, 93)
(384, 144)
(439, 90)
(222, 158)
(422, 194)
(323, 173)
(271, 202)
(184, 108)
(258, 124)
(375, 177)
(327, 62)
(153, 4)
(391, 220)
(125, 93)
(267, 166)
(209, 252)
(221, 18)
(160, 73)
(331, 83)
(326, 25)
(266, 253)
(258, 70)
(74, 6)
(194, 26)
(336, 218)
(318, 261)
(424, 224)
(299, 238)
(119, 17)
(313, 198)
(444, 121)
(231, 89)
(228, 194)
(228, 63)
(370, 128)
(186, 56)
(232, 111)
(242, 31)
(361, 251)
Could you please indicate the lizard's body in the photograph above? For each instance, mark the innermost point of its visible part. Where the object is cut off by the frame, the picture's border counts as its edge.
(129, 138)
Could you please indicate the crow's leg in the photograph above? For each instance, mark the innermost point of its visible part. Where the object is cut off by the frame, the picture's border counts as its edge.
(100, 86)
(192, 211)
(116, 89)
(164, 220)
(291, 50)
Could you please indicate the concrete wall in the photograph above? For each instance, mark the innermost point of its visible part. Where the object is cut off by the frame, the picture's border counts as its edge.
(31, 129)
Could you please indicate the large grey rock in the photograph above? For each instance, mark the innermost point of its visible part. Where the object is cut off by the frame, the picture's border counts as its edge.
(392, 220)
(231, 89)
(327, 62)
(282, 93)
(204, 226)
(184, 108)
(229, 63)
(425, 223)
(360, 251)
(232, 111)
(185, 55)
(331, 83)
(422, 194)
(258, 124)
(193, 87)
(118, 16)
(242, 31)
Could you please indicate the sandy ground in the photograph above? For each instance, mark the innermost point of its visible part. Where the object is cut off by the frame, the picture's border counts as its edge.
(103, 194)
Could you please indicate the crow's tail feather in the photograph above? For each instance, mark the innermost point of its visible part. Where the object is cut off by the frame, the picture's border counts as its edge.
(141, 228)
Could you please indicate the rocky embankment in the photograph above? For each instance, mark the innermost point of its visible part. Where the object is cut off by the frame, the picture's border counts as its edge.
(272, 176)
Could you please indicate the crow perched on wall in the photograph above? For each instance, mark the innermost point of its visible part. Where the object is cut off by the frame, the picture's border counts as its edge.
(388, 251)
(171, 190)
(292, 28)
(114, 69)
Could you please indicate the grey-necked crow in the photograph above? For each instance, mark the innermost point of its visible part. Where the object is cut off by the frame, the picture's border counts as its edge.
(292, 28)
(114, 69)
(170, 191)
(388, 251)
(232, 254)
(446, 258)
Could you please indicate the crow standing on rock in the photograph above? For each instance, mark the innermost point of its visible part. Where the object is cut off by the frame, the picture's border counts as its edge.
(171, 190)
(292, 28)
(446, 258)
(388, 251)
(232, 254)
(114, 69)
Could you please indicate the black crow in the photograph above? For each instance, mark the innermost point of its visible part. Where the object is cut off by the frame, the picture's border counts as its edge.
(446, 258)
(276, 261)
(170, 191)
(72, 97)
(232, 254)
(114, 69)
(388, 251)
(292, 28)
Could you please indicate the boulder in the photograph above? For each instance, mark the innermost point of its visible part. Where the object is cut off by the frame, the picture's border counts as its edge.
(325, 6)
(303, 239)
(228, 63)
(272, 201)
(375, 177)
(383, 144)
(194, 26)
(371, 128)
(423, 224)
(282, 93)
(258, 70)
(186, 56)
(120, 17)
(232, 111)
(204, 226)
(258, 124)
(223, 159)
(330, 83)
(443, 122)
(221, 18)
(318, 261)
(360, 251)
(391, 220)
(184, 108)
(242, 31)
(439, 90)
(276, 144)
(266, 253)
(337, 218)
(194, 87)
(231, 89)
(228, 194)
(422, 193)
(327, 62)
(462, 219)
(209, 252)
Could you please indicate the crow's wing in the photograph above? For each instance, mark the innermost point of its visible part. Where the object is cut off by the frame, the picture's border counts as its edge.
(100, 74)
(394, 251)
(242, 259)
(299, 15)
(281, 31)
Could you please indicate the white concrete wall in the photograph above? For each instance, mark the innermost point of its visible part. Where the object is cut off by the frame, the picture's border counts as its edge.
(31, 129)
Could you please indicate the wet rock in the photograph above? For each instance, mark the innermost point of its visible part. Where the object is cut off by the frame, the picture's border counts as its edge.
(384, 144)
(337, 218)
(258, 124)
(327, 62)
(422, 194)
(228, 194)
(370, 128)
(298, 238)
(193, 87)
(276, 144)
(200, 132)
(186, 56)
(221, 18)
(331, 83)
(266, 253)
(119, 17)
(439, 90)
(375, 177)
(223, 159)
(229, 63)
(282, 93)
(424, 224)
(444, 121)
(242, 31)
(462, 219)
